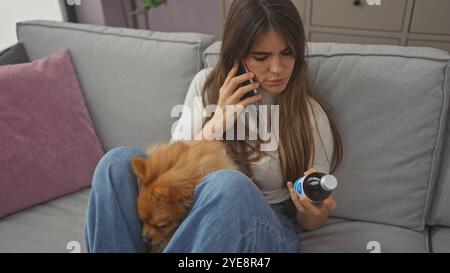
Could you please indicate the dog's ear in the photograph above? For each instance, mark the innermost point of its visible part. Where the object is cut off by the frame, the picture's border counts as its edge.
(183, 196)
(139, 166)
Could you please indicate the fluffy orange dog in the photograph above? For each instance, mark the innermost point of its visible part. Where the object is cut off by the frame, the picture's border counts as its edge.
(168, 178)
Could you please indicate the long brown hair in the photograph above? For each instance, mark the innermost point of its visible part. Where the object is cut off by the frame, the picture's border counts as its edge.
(246, 21)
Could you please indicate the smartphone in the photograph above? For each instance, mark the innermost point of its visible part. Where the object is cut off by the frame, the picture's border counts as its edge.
(242, 69)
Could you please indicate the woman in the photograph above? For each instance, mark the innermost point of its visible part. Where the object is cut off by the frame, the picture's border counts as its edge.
(255, 210)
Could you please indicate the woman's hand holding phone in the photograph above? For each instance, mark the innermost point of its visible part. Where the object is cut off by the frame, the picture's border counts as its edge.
(231, 92)
(229, 95)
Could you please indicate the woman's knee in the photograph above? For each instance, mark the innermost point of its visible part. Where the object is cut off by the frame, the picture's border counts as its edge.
(230, 184)
(121, 154)
(116, 164)
(233, 196)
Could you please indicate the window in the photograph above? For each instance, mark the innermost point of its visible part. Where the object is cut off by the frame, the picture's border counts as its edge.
(13, 11)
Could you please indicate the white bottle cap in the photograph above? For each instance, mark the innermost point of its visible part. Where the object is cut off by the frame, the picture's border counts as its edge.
(328, 182)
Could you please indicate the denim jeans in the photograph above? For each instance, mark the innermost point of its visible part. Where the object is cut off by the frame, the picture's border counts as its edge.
(229, 213)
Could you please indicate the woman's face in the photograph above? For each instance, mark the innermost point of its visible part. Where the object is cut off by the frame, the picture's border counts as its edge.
(272, 60)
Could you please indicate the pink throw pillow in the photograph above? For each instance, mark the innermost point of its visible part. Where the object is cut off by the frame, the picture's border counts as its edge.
(48, 144)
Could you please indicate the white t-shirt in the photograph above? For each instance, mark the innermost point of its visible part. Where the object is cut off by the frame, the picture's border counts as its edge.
(268, 169)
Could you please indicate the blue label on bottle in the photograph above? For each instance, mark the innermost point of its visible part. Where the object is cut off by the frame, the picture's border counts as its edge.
(298, 186)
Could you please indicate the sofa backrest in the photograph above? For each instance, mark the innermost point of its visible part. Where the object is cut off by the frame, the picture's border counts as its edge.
(390, 105)
(131, 78)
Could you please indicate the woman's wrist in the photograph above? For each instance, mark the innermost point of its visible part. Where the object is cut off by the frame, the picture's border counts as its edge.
(213, 129)
(308, 223)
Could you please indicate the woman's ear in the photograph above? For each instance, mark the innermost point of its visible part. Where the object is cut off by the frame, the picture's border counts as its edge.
(139, 166)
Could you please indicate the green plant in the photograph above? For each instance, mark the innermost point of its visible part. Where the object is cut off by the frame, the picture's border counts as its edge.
(143, 9)
(148, 4)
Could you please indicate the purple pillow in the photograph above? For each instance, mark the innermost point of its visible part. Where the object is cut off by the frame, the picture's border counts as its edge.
(48, 144)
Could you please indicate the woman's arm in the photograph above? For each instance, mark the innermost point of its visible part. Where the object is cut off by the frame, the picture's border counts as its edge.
(228, 106)
(213, 129)
(311, 216)
(191, 120)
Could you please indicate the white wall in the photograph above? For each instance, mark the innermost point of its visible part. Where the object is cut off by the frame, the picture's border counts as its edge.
(12, 11)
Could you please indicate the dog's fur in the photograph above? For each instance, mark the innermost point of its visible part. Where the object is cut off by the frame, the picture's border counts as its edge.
(168, 178)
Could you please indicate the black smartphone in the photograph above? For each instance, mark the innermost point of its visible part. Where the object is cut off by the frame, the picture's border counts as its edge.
(242, 69)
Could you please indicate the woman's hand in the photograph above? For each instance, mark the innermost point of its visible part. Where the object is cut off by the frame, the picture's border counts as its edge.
(311, 216)
(230, 95)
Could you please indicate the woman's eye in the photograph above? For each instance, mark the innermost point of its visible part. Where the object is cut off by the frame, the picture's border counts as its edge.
(259, 59)
(287, 52)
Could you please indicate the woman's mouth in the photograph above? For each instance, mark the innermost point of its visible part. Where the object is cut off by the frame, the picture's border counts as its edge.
(276, 82)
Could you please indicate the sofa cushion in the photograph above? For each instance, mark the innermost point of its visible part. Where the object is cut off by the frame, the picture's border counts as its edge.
(440, 239)
(440, 214)
(343, 236)
(15, 54)
(390, 104)
(51, 227)
(47, 140)
(131, 78)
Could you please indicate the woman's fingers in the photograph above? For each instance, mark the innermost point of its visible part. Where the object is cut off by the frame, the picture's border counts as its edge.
(250, 100)
(227, 93)
(230, 75)
(238, 80)
(309, 206)
(304, 205)
(295, 198)
(243, 90)
(330, 203)
(310, 171)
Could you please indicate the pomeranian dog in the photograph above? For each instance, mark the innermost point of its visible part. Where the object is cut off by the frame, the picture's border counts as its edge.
(168, 178)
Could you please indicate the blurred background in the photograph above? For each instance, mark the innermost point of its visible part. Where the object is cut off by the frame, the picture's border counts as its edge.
(399, 22)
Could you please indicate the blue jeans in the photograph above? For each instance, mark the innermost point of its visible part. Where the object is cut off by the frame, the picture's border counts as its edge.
(229, 214)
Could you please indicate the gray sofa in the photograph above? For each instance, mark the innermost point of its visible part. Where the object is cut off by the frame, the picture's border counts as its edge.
(391, 105)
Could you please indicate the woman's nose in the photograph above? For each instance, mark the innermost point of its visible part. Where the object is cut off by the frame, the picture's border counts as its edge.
(275, 65)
